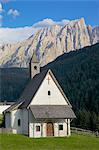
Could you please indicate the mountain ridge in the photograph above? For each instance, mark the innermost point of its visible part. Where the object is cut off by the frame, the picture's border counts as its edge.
(49, 43)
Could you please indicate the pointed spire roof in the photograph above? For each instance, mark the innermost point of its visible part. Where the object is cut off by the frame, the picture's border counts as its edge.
(34, 58)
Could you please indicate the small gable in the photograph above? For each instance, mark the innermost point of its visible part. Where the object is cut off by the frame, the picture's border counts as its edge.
(49, 92)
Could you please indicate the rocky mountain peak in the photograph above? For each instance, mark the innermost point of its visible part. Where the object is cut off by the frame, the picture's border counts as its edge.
(49, 43)
(82, 20)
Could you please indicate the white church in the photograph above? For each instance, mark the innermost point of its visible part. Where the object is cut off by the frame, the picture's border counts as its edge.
(43, 109)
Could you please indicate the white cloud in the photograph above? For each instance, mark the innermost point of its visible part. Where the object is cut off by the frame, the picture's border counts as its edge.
(49, 22)
(1, 8)
(1, 20)
(63, 22)
(4, 1)
(11, 35)
(13, 12)
(44, 23)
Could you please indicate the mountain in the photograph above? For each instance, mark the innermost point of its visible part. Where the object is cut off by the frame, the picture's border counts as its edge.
(49, 43)
(77, 73)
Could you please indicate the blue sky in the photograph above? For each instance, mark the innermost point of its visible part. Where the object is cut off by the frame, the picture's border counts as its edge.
(27, 12)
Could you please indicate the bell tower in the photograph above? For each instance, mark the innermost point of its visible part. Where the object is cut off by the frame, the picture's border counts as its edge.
(34, 66)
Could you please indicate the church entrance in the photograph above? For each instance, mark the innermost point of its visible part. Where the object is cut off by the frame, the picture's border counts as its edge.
(50, 129)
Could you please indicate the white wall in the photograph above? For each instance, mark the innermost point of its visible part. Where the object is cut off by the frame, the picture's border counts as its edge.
(31, 130)
(44, 129)
(8, 120)
(3, 108)
(56, 129)
(43, 125)
(32, 126)
(21, 114)
(15, 115)
(58, 132)
(42, 97)
(64, 131)
(37, 134)
(68, 123)
(11, 121)
(25, 121)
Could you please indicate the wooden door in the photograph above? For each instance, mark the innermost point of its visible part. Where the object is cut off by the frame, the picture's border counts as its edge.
(50, 129)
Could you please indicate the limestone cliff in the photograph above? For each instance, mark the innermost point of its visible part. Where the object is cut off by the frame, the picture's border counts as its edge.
(49, 43)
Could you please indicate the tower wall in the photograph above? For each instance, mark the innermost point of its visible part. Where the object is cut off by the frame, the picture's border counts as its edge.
(34, 69)
(34, 66)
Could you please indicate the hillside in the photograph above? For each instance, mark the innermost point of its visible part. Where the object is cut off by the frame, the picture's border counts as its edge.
(12, 83)
(49, 43)
(78, 73)
(75, 142)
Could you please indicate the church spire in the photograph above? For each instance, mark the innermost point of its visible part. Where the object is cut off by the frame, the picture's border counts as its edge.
(35, 58)
(34, 65)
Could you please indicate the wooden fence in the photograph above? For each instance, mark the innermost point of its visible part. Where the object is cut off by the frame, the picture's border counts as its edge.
(84, 132)
(5, 130)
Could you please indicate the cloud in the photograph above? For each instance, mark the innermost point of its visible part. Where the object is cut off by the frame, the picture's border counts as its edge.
(49, 22)
(63, 22)
(13, 12)
(1, 20)
(12, 35)
(1, 8)
(4, 1)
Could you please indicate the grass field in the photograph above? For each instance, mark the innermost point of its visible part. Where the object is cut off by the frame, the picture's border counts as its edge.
(75, 142)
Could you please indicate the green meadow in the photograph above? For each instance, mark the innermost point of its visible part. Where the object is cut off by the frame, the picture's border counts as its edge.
(75, 142)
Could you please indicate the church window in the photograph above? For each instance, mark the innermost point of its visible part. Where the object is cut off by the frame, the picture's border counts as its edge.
(37, 128)
(19, 122)
(35, 67)
(60, 127)
(49, 92)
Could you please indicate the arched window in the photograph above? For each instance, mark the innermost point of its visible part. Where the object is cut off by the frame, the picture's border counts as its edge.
(35, 67)
(49, 92)
(19, 122)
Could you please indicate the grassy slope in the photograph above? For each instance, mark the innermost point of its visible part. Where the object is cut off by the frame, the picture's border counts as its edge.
(75, 142)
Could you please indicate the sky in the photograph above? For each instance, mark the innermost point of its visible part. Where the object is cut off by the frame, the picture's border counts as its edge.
(19, 19)
(22, 13)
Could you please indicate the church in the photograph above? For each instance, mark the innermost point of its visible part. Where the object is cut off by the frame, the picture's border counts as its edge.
(43, 109)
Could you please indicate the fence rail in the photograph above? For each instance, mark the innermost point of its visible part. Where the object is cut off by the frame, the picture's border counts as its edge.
(5, 130)
(83, 131)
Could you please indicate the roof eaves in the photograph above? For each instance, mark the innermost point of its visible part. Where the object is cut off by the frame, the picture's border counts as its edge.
(12, 107)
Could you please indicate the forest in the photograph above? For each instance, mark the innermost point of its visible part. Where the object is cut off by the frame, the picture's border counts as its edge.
(77, 73)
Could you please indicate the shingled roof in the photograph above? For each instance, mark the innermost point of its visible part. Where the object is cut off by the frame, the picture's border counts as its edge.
(29, 91)
(52, 111)
(32, 88)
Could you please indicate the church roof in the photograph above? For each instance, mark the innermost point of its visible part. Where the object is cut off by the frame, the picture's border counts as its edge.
(31, 90)
(52, 111)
